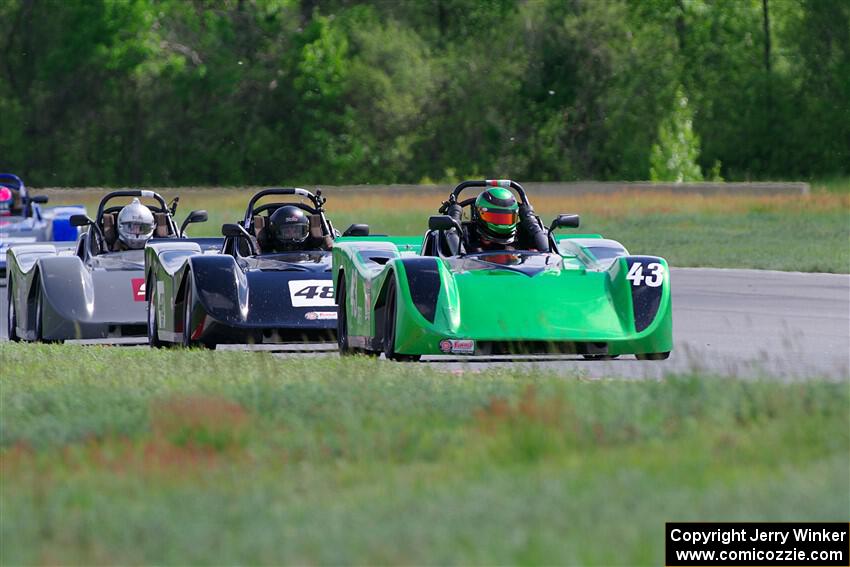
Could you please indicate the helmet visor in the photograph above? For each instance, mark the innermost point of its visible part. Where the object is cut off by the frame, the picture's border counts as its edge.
(293, 232)
(499, 217)
(136, 228)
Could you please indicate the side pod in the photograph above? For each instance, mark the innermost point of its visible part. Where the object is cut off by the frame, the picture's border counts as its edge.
(641, 293)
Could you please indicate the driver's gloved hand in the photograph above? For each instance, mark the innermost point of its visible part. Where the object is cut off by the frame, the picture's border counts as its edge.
(453, 239)
(530, 224)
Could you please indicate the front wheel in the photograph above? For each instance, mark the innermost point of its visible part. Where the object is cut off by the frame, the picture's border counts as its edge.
(153, 328)
(342, 320)
(39, 319)
(188, 341)
(390, 329)
(653, 356)
(11, 317)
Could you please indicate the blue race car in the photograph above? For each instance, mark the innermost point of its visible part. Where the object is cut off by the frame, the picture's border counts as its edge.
(24, 221)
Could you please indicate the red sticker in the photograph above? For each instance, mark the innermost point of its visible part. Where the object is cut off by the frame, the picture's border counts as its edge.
(138, 289)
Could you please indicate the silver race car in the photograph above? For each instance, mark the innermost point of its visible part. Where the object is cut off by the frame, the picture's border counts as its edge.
(95, 289)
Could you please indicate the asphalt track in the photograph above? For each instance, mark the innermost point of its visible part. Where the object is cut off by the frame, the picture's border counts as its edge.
(745, 323)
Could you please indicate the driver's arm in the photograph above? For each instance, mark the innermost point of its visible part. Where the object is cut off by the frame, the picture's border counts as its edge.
(531, 226)
(453, 239)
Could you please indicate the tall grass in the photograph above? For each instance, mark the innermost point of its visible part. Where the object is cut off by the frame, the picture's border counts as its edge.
(111, 455)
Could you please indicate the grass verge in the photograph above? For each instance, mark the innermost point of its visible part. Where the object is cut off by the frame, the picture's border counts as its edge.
(120, 456)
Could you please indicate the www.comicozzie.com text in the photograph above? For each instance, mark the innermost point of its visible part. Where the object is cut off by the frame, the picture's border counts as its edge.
(755, 534)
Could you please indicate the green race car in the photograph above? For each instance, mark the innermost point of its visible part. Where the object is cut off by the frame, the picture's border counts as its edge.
(496, 281)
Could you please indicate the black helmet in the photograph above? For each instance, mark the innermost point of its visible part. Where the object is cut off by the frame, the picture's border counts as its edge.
(289, 227)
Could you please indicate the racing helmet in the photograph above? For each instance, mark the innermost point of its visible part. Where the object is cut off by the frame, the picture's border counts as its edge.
(7, 199)
(496, 213)
(135, 225)
(289, 226)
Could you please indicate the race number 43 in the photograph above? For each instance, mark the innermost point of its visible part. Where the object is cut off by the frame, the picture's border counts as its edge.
(653, 278)
(311, 293)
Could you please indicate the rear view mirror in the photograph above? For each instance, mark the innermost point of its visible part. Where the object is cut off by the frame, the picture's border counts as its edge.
(442, 222)
(40, 199)
(80, 220)
(233, 230)
(565, 221)
(357, 230)
(195, 216)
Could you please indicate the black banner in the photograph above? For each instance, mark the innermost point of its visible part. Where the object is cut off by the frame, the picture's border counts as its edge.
(757, 543)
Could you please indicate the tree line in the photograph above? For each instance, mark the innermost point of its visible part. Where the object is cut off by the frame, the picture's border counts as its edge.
(228, 92)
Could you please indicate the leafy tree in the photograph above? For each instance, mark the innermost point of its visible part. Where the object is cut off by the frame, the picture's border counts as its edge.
(674, 157)
(121, 92)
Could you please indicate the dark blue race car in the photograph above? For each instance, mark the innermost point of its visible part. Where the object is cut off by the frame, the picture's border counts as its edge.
(247, 291)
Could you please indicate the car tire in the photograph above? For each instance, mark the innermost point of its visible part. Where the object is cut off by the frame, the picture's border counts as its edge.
(653, 356)
(188, 300)
(390, 329)
(186, 339)
(153, 328)
(11, 316)
(39, 319)
(342, 320)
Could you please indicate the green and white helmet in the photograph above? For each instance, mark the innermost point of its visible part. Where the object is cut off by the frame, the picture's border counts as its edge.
(496, 212)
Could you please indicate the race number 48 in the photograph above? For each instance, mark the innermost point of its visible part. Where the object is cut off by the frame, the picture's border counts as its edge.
(311, 293)
(653, 278)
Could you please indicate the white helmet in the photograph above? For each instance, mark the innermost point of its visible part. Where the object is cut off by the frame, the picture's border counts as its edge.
(135, 224)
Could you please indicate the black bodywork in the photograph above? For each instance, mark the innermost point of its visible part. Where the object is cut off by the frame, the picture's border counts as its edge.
(244, 292)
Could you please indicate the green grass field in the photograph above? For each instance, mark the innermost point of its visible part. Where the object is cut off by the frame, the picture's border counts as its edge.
(127, 456)
(796, 233)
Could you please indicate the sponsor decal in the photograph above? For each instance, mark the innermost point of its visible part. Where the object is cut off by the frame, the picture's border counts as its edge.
(457, 346)
(311, 293)
(320, 315)
(138, 289)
